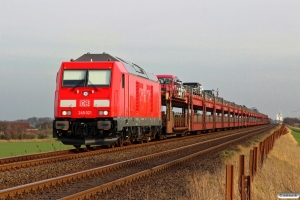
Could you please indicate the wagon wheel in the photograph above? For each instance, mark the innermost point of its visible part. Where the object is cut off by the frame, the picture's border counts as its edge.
(112, 145)
(88, 147)
(120, 142)
(164, 136)
(158, 137)
(77, 147)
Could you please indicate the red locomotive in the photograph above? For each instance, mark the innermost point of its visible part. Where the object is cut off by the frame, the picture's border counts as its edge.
(105, 100)
(100, 99)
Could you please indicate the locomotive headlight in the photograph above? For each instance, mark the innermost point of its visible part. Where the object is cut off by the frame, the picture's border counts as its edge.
(100, 112)
(64, 112)
(69, 112)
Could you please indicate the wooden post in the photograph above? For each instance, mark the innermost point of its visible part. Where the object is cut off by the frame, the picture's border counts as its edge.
(255, 159)
(251, 162)
(229, 182)
(241, 171)
(246, 188)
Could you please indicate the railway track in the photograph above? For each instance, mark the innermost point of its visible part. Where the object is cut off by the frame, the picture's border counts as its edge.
(121, 173)
(25, 161)
(9, 160)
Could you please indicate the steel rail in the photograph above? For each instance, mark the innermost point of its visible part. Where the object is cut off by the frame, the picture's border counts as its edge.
(19, 191)
(33, 156)
(50, 157)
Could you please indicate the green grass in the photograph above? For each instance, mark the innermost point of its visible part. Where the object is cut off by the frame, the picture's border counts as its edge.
(226, 154)
(296, 134)
(8, 149)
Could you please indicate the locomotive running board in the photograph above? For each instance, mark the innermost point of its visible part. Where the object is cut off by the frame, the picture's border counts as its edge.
(87, 141)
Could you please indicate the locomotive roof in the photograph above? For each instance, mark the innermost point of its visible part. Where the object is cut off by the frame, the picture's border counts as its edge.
(96, 57)
(131, 67)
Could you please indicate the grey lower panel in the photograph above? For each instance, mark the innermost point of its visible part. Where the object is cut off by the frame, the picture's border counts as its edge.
(136, 121)
(87, 141)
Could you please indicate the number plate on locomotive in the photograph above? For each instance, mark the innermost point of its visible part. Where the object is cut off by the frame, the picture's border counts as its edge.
(84, 112)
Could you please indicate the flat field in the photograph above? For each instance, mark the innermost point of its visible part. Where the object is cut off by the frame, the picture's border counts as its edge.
(296, 134)
(17, 147)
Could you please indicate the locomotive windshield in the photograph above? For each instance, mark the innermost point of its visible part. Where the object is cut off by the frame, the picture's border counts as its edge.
(74, 78)
(98, 77)
(86, 78)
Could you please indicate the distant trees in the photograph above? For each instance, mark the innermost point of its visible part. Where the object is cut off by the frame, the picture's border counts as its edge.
(44, 129)
(15, 130)
(35, 121)
(291, 121)
(9, 131)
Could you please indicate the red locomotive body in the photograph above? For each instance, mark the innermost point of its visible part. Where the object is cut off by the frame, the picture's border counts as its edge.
(104, 100)
(100, 99)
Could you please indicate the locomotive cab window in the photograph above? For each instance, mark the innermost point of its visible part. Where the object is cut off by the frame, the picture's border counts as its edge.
(86, 78)
(74, 78)
(99, 77)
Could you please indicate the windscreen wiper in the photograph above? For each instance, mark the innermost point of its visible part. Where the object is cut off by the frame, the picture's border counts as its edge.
(92, 85)
(79, 84)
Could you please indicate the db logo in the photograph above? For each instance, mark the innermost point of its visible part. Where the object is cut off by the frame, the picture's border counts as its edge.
(85, 103)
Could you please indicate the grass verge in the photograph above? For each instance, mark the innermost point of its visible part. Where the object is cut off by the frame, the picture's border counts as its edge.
(280, 172)
(296, 134)
(17, 147)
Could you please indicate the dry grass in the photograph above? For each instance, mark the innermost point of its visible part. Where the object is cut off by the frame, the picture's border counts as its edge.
(206, 186)
(280, 173)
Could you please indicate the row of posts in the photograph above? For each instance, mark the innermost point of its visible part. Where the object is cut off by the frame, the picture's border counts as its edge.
(256, 159)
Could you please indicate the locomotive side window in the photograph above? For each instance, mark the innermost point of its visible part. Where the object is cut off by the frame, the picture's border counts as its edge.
(123, 80)
(99, 78)
(73, 78)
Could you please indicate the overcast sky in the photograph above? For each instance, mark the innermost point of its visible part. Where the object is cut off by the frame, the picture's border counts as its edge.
(249, 50)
